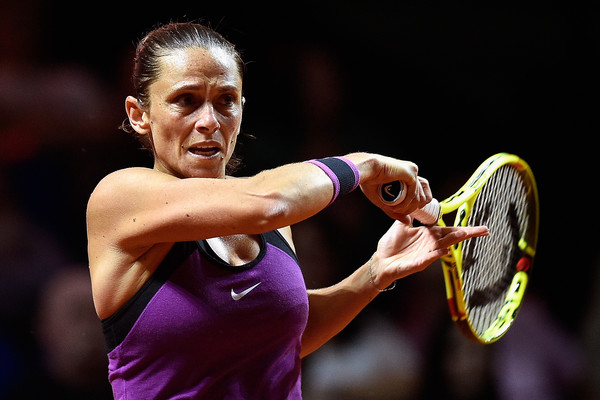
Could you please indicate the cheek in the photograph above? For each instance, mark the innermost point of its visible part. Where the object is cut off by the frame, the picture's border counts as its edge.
(235, 129)
(164, 145)
(166, 129)
(232, 144)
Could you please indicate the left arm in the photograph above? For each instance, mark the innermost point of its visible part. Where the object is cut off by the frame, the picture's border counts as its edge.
(403, 250)
(332, 308)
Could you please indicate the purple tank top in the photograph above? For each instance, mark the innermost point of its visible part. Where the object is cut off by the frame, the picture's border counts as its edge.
(201, 329)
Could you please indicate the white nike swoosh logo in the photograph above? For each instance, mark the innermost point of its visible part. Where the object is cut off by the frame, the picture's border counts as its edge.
(237, 296)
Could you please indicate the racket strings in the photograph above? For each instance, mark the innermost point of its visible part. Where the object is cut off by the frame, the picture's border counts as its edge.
(489, 264)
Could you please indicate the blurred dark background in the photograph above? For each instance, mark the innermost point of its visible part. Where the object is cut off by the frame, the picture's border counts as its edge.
(442, 84)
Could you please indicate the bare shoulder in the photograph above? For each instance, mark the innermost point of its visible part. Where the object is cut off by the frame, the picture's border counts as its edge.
(115, 182)
(111, 202)
(118, 188)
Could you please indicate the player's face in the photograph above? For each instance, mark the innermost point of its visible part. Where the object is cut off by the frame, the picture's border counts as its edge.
(195, 112)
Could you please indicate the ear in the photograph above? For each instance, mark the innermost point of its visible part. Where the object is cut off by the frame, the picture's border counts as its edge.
(138, 118)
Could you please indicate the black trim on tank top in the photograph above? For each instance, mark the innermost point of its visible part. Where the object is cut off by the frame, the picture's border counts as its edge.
(273, 237)
(219, 262)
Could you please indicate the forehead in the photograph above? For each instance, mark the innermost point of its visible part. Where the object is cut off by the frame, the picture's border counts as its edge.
(213, 66)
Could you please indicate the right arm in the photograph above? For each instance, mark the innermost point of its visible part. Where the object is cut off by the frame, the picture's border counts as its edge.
(135, 215)
(141, 207)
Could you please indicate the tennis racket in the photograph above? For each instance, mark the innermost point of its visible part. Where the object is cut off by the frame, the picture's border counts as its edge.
(486, 277)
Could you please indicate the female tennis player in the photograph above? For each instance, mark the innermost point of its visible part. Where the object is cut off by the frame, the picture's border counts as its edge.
(194, 272)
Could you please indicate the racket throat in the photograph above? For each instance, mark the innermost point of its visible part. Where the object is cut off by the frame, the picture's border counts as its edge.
(454, 292)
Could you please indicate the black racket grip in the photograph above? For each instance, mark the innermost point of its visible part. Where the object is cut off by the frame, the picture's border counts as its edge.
(394, 193)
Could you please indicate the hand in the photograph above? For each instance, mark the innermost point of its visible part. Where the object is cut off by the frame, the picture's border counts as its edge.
(415, 199)
(380, 170)
(404, 249)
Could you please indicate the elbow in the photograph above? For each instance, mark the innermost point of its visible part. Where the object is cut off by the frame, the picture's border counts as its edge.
(276, 205)
(272, 214)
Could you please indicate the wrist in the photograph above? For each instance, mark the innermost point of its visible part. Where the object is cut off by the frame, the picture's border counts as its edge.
(343, 173)
(365, 163)
(374, 281)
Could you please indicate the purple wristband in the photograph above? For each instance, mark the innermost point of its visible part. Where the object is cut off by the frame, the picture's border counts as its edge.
(343, 174)
(354, 169)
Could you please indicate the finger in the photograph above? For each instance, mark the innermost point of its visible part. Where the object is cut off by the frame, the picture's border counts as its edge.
(446, 230)
(414, 198)
(426, 189)
(411, 170)
(420, 196)
(463, 230)
(454, 235)
(411, 194)
(404, 171)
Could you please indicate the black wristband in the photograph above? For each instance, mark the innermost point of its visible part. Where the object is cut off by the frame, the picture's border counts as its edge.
(342, 172)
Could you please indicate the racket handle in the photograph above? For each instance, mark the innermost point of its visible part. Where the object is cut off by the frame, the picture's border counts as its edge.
(429, 214)
(394, 193)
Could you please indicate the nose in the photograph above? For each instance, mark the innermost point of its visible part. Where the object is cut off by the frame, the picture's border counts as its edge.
(207, 121)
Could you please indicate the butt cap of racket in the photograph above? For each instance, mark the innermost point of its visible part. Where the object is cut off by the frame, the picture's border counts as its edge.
(393, 193)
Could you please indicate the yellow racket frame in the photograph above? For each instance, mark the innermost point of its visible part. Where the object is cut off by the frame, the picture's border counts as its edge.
(462, 202)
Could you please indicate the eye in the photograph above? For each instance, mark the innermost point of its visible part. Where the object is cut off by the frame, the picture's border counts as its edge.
(184, 100)
(228, 100)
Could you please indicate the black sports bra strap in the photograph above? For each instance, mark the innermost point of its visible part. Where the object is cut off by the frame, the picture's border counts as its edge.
(276, 239)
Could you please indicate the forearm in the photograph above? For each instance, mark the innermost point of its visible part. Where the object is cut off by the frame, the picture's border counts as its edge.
(300, 190)
(331, 309)
(294, 192)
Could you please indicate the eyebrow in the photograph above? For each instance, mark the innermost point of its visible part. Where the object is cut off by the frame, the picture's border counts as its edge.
(195, 86)
(228, 88)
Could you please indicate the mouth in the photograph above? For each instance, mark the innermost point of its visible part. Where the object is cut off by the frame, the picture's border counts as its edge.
(205, 151)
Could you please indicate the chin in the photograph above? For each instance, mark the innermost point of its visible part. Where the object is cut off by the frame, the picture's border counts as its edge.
(206, 173)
